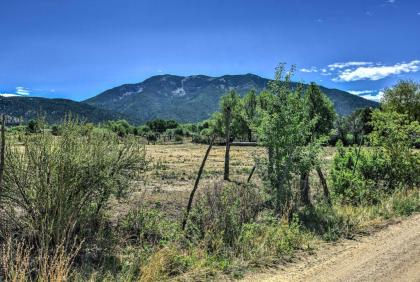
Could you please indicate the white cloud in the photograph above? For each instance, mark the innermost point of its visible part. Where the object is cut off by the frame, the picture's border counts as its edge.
(347, 64)
(360, 92)
(376, 98)
(8, 95)
(311, 69)
(22, 91)
(377, 72)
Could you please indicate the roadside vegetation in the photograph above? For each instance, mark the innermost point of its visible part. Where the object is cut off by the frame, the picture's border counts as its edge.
(76, 202)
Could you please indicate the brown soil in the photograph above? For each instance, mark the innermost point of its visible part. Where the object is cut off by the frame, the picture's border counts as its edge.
(391, 254)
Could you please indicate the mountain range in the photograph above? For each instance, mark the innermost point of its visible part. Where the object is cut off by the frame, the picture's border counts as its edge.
(194, 98)
(183, 98)
(54, 110)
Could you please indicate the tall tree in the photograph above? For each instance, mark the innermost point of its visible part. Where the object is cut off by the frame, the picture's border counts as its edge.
(321, 116)
(283, 129)
(250, 111)
(229, 105)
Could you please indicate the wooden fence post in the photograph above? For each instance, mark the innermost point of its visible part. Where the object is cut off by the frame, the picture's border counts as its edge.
(197, 180)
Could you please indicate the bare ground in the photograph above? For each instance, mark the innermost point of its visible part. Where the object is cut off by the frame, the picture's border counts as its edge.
(391, 254)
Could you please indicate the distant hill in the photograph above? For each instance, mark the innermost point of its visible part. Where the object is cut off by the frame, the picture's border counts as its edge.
(195, 98)
(54, 110)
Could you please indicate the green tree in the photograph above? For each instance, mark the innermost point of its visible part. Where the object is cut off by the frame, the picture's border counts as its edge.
(229, 107)
(249, 111)
(321, 116)
(284, 129)
(320, 109)
(34, 126)
(404, 98)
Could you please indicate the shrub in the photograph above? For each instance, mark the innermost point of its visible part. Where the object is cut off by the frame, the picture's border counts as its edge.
(178, 138)
(200, 139)
(57, 188)
(355, 176)
(34, 126)
(326, 222)
(151, 137)
(362, 175)
(149, 228)
(264, 242)
(221, 212)
(56, 130)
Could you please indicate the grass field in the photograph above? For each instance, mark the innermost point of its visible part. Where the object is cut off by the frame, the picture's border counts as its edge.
(172, 170)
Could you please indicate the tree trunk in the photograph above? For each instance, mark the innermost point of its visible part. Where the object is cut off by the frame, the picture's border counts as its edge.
(270, 162)
(324, 186)
(249, 135)
(227, 152)
(304, 189)
(197, 180)
(2, 149)
(252, 172)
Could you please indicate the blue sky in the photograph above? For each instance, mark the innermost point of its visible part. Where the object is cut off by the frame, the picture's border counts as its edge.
(77, 48)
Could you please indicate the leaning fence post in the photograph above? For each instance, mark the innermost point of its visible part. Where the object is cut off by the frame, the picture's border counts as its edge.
(251, 173)
(197, 180)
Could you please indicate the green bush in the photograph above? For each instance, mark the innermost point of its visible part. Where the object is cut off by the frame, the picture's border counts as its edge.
(178, 138)
(326, 222)
(356, 175)
(56, 130)
(220, 213)
(55, 189)
(149, 228)
(362, 175)
(151, 137)
(34, 126)
(200, 139)
(264, 242)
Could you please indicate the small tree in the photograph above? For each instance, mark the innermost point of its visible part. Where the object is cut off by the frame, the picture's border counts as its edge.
(284, 129)
(34, 126)
(403, 98)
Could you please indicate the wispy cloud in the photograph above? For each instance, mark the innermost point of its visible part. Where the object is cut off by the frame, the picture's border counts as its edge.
(361, 92)
(390, 1)
(22, 91)
(348, 64)
(309, 70)
(377, 72)
(418, 13)
(8, 95)
(19, 91)
(376, 98)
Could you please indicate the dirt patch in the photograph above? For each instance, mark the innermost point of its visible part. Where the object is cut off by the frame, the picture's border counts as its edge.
(391, 254)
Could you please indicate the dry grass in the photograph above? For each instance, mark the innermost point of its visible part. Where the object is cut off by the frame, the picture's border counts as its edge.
(15, 261)
(173, 168)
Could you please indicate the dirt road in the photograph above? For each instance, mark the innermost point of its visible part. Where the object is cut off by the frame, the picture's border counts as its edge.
(391, 254)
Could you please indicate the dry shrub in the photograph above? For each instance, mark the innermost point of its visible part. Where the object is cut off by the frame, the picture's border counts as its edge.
(56, 266)
(159, 265)
(220, 213)
(56, 188)
(19, 263)
(15, 261)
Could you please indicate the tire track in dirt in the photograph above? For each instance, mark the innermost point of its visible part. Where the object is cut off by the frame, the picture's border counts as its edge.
(391, 254)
